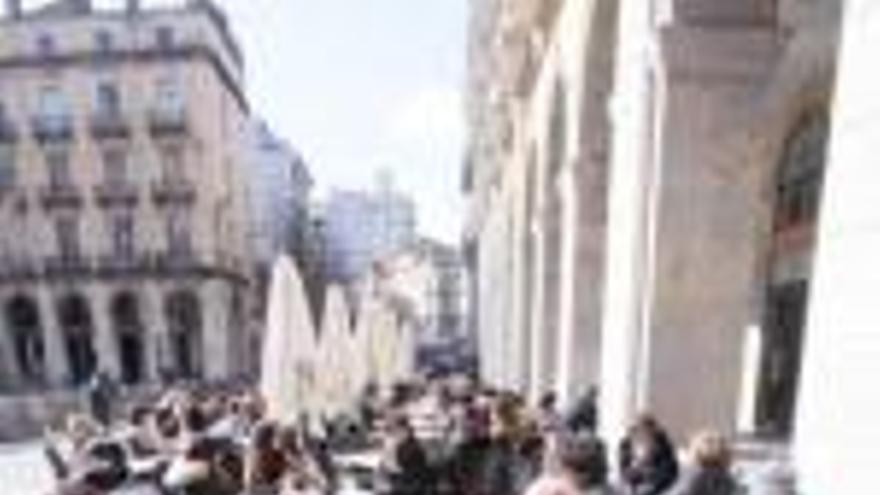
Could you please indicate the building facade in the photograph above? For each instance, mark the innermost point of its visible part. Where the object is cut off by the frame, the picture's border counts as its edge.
(645, 180)
(425, 285)
(123, 203)
(280, 193)
(362, 227)
(281, 224)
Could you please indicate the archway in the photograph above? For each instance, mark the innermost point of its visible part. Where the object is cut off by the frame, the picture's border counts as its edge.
(23, 319)
(798, 187)
(184, 315)
(126, 319)
(75, 320)
(238, 333)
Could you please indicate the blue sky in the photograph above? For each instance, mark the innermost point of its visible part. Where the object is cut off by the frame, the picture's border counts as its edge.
(362, 85)
(359, 86)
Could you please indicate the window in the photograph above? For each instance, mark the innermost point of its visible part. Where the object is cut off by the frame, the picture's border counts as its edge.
(7, 168)
(169, 96)
(123, 236)
(799, 183)
(46, 45)
(67, 232)
(107, 99)
(179, 236)
(172, 164)
(115, 167)
(58, 163)
(165, 38)
(103, 41)
(52, 103)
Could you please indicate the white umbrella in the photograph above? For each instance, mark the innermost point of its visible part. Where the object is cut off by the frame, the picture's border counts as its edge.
(364, 355)
(384, 345)
(334, 368)
(355, 353)
(406, 351)
(287, 375)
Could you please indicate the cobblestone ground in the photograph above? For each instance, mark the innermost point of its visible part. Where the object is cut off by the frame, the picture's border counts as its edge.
(23, 470)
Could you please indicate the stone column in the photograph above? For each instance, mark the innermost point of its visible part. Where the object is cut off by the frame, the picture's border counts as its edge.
(553, 282)
(494, 293)
(705, 223)
(568, 353)
(486, 329)
(10, 374)
(580, 301)
(503, 290)
(106, 341)
(56, 358)
(157, 344)
(538, 382)
(545, 299)
(522, 287)
(216, 300)
(630, 174)
(681, 223)
(837, 432)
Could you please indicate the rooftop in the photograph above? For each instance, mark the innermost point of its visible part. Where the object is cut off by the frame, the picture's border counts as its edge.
(16, 12)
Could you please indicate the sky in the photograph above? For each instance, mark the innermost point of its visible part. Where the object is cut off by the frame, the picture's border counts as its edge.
(361, 86)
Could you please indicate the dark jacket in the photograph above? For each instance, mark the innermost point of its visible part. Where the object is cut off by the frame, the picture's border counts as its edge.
(467, 466)
(506, 470)
(414, 475)
(653, 476)
(706, 481)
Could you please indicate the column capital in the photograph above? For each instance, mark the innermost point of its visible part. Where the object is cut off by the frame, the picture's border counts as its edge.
(722, 12)
(707, 55)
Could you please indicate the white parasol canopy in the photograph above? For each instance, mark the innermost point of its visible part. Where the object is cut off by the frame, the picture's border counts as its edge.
(334, 364)
(289, 347)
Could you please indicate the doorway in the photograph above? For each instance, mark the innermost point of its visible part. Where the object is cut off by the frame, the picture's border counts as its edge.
(798, 194)
(785, 319)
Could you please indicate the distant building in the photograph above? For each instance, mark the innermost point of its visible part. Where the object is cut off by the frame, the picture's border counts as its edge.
(362, 227)
(424, 283)
(280, 188)
(123, 200)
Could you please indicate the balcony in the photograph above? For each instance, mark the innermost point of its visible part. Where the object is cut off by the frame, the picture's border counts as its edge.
(6, 191)
(122, 194)
(109, 124)
(47, 128)
(178, 192)
(67, 266)
(16, 269)
(168, 122)
(188, 263)
(177, 262)
(61, 196)
(8, 132)
(122, 265)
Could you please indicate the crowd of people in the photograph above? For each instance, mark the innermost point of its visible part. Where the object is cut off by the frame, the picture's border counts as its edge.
(420, 439)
